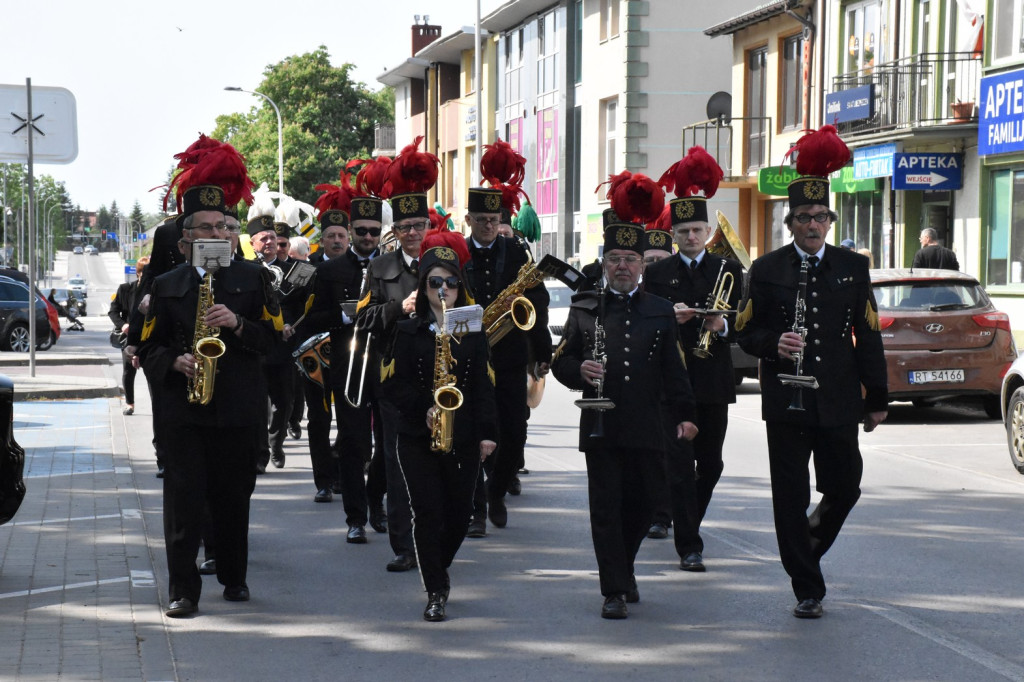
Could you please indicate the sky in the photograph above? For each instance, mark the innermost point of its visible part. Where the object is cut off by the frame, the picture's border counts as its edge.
(148, 77)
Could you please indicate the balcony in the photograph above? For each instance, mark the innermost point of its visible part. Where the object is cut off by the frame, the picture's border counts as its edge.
(921, 91)
(716, 135)
(383, 140)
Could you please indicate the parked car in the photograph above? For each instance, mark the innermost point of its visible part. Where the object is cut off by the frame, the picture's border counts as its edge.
(12, 456)
(1012, 399)
(78, 285)
(558, 309)
(14, 318)
(51, 312)
(78, 250)
(943, 337)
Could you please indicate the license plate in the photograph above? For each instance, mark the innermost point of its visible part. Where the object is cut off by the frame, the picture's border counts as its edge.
(931, 376)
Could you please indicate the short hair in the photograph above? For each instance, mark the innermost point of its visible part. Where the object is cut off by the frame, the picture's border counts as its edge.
(300, 245)
(141, 264)
(186, 222)
(931, 233)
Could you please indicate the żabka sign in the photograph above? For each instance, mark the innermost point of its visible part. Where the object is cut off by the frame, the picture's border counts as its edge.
(1001, 115)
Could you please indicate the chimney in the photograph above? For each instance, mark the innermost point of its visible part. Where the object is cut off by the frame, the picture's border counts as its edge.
(423, 34)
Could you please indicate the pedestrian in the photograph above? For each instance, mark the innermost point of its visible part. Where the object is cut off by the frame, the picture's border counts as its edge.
(122, 306)
(848, 244)
(812, 319)
(440, 466)
(620, 343)
(932, 254)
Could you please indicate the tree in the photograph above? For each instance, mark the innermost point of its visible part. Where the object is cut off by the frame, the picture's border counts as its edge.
(327, 120)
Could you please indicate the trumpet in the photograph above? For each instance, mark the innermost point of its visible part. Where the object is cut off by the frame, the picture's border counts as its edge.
(718, 302)
(352, 349)
(276, 273)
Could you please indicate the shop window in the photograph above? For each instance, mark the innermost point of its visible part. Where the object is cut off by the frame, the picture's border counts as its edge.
(1006, 228)
(860, 219)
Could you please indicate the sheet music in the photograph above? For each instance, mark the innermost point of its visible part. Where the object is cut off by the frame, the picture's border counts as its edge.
(463, 320)
(300, 273)
(211, 254)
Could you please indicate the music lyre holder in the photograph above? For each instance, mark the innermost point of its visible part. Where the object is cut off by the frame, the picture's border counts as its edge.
(595, 404)
(800, 381)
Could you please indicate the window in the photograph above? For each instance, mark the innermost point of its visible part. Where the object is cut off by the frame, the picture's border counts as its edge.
(860, 219)
(577, 47)
(792, 83)
(1007, 29)
(755, 100)
(862, 22)
(513, 74)
(547, 53)
(608, 160)
(1006, 235)
(609, 19)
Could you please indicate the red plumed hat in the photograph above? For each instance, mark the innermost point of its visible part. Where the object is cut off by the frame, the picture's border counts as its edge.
(696, 172)
(210, 162)
(439, 239)
(437, 221)
(412, 171)
(501, 164)
(510, 194)
(820, 152)
(664, 220)
(336, 197)
(635, 197)
(370, 178)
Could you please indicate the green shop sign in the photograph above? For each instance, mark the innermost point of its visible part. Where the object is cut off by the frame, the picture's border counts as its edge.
(775, 179)
(843, 182)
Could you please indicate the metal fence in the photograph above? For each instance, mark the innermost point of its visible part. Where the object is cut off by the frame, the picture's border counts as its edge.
(717, 136)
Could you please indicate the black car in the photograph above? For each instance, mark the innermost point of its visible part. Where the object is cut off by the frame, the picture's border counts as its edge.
(64, 297)
(14, 307)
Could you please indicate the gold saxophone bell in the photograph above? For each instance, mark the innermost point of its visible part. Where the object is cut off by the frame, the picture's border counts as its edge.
(448, 398)
(206, 347)
(210, 348)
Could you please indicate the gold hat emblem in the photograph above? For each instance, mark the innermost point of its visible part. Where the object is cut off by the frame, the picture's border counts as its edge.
(209, 196)
(492, 202)
(626, 236)
(814, 189)
(446, 253)
(657, 238)
(408, 205)
(365, 209)
(684, 210)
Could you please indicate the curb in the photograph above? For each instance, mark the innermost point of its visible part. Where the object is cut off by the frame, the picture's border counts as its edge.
(24, 393)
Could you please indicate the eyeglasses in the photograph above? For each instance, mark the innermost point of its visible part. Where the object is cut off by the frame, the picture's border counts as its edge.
(436, 282)
(363, 231)
(804, 218)
(486, 220)
(206, 227)
(283, 245)
(404, 229)
(628, 260)
(233, 229)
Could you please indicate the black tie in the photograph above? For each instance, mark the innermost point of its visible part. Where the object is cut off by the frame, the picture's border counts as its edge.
(694, 264)
(812, 262)
(415, 265)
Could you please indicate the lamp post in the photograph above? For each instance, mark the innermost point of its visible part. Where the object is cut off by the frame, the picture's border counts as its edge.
(48, 244)
(280, 137)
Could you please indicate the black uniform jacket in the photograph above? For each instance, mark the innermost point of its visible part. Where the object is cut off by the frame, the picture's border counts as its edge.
(122, 305)
(644, 370)
(491, 271)
(240, 395)
(337, 281)
(712, 378)
(388, 282)
(410, 384)
(844, 346)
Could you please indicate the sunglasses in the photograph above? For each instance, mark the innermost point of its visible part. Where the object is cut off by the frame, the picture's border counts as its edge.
(436, 282)
(363, 231)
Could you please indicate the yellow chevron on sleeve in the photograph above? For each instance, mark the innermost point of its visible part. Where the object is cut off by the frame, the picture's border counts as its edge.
(490, 373)
(275, 318)
(558, 351)
(745, 315)
(309, 304)
(387, 371)
(364, 302)
(147, 327)
(113, 296)
(682, 353)
(871, 315)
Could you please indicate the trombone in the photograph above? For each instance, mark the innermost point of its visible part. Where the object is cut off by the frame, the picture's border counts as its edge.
(353, 347)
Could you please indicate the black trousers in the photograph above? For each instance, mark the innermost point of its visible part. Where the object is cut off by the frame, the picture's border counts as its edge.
(281, 393)
(207, 466)
(838, 468)
(128, 378)
(619, 482)
(510, 396)
(318, 432)
(693, 469)
(159, 448)
(441, 495)
(354, 447)
(399, 511)
(376, 473)
(298, 404)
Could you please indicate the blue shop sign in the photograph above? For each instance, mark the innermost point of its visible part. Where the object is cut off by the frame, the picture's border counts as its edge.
(928, 171)
(855, 104)
(874, 161)
(1001, 115)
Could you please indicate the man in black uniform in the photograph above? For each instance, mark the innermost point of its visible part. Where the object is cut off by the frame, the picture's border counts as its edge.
(494, 264)
(686, 280)
(840, 347)
(210, 449)
(643, 375)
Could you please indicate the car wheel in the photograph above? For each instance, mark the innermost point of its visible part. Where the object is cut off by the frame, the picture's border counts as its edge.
(48, 343)
(17, 338)
(992, 408)
(1015, 429)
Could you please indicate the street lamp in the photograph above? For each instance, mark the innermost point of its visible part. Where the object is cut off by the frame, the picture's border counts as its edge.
(280, 137)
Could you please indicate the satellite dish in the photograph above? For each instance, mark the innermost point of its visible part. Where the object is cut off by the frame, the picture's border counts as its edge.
(720, 106)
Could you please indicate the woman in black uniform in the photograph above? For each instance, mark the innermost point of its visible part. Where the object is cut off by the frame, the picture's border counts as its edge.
(441, 481)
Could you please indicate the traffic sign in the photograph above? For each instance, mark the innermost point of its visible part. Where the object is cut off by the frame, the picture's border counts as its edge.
(129, 269)
(54, 124)
(930, 171)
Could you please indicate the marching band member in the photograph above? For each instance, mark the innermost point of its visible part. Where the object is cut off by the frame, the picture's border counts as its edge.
(440, 475)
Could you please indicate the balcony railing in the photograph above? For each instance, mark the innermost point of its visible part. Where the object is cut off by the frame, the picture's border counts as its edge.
(716, 136)
(927, 89)
(384, 138)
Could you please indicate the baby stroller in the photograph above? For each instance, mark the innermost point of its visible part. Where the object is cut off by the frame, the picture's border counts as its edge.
(70, 312)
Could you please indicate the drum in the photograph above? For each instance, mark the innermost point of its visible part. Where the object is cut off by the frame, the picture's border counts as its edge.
(313, 356)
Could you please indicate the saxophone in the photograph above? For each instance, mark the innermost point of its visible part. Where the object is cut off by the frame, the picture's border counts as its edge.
(447, 397)
(206, 347)
(510, 307)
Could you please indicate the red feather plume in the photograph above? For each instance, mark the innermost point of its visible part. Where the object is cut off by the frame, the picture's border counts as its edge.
(335, 197)
(635, 197)
(445, 237)
(220, 164)
(370, 180)
(412, 170)
(437, 221)
(820, 152)
(501, 164)
(510, 196)
(695, 172)
(664, 220)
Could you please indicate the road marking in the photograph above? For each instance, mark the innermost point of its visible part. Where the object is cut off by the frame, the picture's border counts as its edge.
(143, 579)
(74, 473)
(59, 588)
(75, 518)
(18, 431)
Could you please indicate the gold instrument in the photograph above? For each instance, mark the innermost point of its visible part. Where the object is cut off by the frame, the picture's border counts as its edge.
(276, 273)
(206, 347)
(726, 243)
(389, 242)
(447, 397)
(718, 300)
(352, 349)
(510, 307)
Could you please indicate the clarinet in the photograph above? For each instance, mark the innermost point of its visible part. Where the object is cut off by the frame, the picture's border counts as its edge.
(599, 402)
(798, 380)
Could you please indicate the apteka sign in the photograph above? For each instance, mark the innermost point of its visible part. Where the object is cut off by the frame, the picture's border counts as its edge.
(931, 171)
(1001, 120)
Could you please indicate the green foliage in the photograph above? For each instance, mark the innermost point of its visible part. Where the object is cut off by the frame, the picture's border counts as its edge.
(327, 120)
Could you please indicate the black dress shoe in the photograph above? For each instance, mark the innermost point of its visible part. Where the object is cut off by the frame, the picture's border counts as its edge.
(208, 567)
(657, 531)
(236, 593)
(402, 562)
(336, 488)
(435, 607)
(159, 472)
(523, 471)
(295, 431)
(180, 608)
(323, 495)
(615, 607)
(378, 518)
(356, 535)
(497, 512)
(277, 459)
(633, 596)
(477, 528)
(808, 608)
(515, 487)
(692, 562)
(261, 469)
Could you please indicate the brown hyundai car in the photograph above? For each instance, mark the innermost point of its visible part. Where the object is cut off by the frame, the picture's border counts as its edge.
(943, 337)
